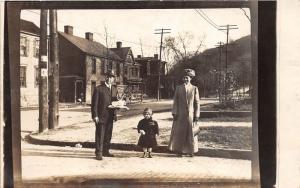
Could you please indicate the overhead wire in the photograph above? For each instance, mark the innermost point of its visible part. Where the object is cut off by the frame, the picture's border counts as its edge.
(246, 14)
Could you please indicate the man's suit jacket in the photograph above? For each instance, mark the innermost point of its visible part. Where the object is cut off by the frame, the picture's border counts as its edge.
(102, 98)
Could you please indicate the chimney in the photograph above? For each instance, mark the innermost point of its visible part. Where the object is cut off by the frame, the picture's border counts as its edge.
(139, 56)
(89, 36)
(155, 56)
(69, 29)
(119, 44)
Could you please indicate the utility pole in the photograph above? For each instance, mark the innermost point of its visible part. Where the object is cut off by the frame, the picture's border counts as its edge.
(141, 47)
(108, 64)
(53, 74)
(220, 47)
(162, 32)
(227, 28)
(43, 73)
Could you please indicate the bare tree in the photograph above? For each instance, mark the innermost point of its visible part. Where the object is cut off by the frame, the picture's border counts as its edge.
(108, 44)
(180, 47)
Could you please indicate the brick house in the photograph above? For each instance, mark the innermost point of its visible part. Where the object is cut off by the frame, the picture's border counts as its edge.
(29, 58)
(82, 65)
(149, 74)
(130, 69)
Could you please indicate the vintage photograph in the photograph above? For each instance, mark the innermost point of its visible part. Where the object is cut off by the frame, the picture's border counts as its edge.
(138, 95)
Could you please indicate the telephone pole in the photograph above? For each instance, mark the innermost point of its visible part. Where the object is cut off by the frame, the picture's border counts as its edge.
(141, 48)
(220, 47)
(162, 32)
(43, 73)
(53, 72)
(227, 28)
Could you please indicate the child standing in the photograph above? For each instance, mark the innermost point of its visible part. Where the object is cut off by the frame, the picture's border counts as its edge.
(148, 129)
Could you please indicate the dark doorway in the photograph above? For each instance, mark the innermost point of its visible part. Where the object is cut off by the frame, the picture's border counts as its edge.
(79, 91)
(93, 87)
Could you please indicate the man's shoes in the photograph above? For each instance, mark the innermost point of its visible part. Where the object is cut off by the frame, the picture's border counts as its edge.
(108, 155)
(99, 157)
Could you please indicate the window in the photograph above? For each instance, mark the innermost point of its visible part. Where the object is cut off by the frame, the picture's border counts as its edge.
(23, 76)
(36, 47)
(107, 66)
(118, 69)
(102, 67)
(36, 76)
(125, 70)
(110, 65)
(135, 71)
(129, 59)
(148, 68)
(93, 66)
(23, 46)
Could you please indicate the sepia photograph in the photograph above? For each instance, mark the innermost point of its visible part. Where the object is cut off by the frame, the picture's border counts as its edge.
(134, 95)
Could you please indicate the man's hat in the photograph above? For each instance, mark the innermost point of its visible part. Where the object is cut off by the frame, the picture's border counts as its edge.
(110, 73)
(189, 72)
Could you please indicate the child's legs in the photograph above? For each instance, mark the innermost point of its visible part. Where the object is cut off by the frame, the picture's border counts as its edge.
(149, 149)
(144, 150)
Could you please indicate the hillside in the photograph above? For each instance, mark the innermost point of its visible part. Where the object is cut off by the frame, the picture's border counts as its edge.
(209, 68)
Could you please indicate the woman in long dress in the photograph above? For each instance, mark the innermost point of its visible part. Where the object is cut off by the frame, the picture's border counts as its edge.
(186, 111)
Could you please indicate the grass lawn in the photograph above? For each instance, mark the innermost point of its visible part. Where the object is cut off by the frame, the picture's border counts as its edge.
(225, 137)
(244, 105)
(218, 137)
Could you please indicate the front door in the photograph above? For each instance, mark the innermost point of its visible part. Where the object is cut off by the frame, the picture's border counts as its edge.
(79, 91)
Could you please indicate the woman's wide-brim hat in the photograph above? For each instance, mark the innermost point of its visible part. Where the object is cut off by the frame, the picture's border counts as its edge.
(189, 72)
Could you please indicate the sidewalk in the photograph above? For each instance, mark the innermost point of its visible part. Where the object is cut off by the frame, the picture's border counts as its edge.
(68, 164)
(50, 163)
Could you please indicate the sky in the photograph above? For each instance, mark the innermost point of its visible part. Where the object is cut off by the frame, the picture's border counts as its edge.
(136, 28)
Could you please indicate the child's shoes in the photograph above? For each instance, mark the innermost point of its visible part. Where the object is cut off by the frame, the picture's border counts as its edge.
(144, 155)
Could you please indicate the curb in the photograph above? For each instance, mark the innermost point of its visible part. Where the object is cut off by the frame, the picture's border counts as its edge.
(213, 114)
(206, 152)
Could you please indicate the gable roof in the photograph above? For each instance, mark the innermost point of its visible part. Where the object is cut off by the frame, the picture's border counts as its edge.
(29, 27)
(90, 47)
(147, 59)
(121, 52)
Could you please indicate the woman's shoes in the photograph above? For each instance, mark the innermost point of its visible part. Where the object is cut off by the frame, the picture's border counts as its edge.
(190, 155)
(180, 154)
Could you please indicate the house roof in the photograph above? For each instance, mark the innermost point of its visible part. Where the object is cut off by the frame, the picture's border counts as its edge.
(121, 52)
(146, 59)
(29, 27)
(90, 47)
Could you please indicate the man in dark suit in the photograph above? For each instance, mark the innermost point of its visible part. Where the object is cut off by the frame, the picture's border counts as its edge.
(103, 115)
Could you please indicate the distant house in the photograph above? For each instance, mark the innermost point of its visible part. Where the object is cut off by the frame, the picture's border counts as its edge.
(149, 74)
(83, 63)
(130, 70)
(29, 52)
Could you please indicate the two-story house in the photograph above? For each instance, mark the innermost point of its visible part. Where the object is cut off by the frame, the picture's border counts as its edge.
(131, 78)
(83, 63)
(149, 74)
(29, 72)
